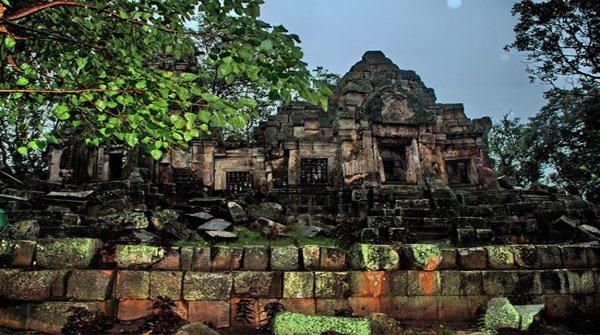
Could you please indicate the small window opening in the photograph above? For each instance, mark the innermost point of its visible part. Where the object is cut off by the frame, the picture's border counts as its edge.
(313, 171)
(394, 163)
(238, 182)
(458, 171)
(115, 165)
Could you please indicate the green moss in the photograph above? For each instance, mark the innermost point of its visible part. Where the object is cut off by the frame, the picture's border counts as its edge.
(298, 285)
(136, 256)
(424, 256)
(373, 257)
(67, 253)
(501, 314)
(296, 324)
(500, 257)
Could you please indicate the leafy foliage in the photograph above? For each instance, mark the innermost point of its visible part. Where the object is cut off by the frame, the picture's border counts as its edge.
(164, 320)
(117, 71)
(560, 38)
(565, 136)
(271, 310)
(83, 322)
(509, 144)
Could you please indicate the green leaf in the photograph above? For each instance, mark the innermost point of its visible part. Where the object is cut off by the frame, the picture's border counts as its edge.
(209, 97)
(62, 112)
(224, 69)
(81, 62)
(23, 151)
(189, 77)
(204, 116)
(190, 117)
(266, 45)
(140, 85)
(10, 43)
(22, 81)
(156, 154)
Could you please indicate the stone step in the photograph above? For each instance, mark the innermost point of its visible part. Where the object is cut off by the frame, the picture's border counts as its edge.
(428, 229)
(412, 204)
(431, 222)
(430, 237)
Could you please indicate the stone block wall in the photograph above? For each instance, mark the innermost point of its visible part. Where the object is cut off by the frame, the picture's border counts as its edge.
(411, 282)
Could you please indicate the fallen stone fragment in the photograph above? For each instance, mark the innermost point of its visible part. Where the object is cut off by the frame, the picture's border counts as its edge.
(77, 195)
(269, 210)
(221, 235)
(382, 324)
(164, 218)
(215, 225)
(288, 323)
(238, 215)
(197, 219)
(500, 314)
(196, 328)
(310, 231)
(125, 220)
(22, 230)
(530, 315)
(269, 227)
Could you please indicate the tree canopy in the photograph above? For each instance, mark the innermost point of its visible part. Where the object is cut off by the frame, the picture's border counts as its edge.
(97, 68)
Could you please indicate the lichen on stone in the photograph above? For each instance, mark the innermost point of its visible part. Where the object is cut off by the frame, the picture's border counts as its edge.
(288, 323)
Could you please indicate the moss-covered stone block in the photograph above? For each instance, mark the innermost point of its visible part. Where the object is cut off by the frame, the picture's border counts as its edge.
(207, 286)
(424, 283)
(88, 285)
(580, 282)
(501, 314)
(499, 283)
(550, 256)
(187, 258)
(332, 259)
(35, 285)
(131, 284)
(226, 258)
(257, 284)
(138, 256)
(574, 257)
(460, 283)
(372, 257)
(166, 284)
(298, 285)
(311, 257)
(332, 284)
(17, 253)
(284, 258)
(288, 323)
(500, 257)
(67, 253)
(201, 259)
(527, 256)
(425, 257)
(256, 258)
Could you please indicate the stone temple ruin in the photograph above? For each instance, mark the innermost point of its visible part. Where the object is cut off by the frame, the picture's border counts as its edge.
(434, 236)
(385, 156)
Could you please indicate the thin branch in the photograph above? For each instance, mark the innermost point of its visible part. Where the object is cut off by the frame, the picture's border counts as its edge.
(68, 91)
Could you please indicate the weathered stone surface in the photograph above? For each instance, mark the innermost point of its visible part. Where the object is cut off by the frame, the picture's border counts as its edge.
(256, 258)
(288, 323)
(373, 257)
(268, 210)
(171, 260)
(269, 228)
(164, 218)
(257, 284)
(132, 284)
(310, 231)
(332, 284)
(216, 313)
(424, 283)
(238, 215)
(186, 257)
(196, 328)
(449, 259)
(330, 306)
(17, 253)
(90, 284)
(201, 259)
(47, 317)
(472, 258)
(67, 253)
(580, 282)
(197, 219)
(421, 256)
(33, 285)
(298, 285)
(125, 220)
(215, 225)
(500, 257)
(332, 259)
(137, 256)
(226, 258)
(130, 310)
(311, 255)
(371, 283)
(550, 256)
(221, 235)
(574, 256)
(22, 230)
(207, 286)
(284, 258)
(501, 314)
(526, 256)
(166, 284)
(530, 315)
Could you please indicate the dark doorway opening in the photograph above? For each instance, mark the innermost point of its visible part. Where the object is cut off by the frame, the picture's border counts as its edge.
(238, 182)
(115, 165)
(313, 171)
(394, 162)
(458, 171)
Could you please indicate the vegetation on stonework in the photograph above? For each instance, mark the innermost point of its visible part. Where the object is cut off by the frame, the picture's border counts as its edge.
(248, 237)
(561, 40)
(111, 72)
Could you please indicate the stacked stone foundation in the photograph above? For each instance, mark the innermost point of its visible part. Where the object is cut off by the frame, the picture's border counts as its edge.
(40, 282)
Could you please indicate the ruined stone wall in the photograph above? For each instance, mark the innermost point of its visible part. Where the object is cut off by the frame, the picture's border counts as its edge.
(412, 282)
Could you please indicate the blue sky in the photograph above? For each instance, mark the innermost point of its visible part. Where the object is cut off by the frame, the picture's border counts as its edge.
(456, 46)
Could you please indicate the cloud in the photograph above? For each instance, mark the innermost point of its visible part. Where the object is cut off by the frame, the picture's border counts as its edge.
(454, 3)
